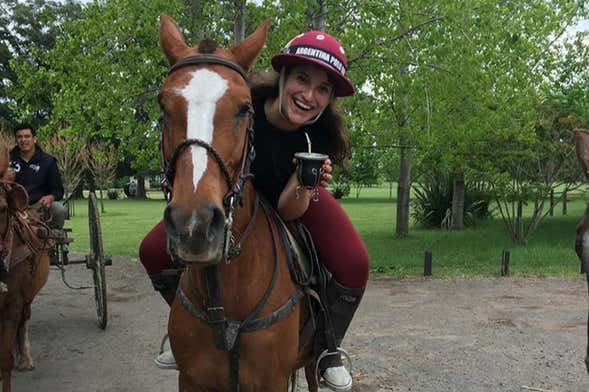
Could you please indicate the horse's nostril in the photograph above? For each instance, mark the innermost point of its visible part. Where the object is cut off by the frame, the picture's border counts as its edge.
(171, 217)
(211, 222)
(218, 218)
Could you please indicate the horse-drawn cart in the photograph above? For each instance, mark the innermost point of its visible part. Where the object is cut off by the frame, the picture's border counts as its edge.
(95, 260)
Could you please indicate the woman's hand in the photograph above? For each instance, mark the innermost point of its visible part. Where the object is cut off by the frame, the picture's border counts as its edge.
(326, 178)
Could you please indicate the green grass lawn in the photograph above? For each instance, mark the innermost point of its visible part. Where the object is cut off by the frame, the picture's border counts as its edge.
(472, 252)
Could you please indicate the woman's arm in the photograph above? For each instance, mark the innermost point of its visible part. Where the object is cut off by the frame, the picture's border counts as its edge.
(293, 202)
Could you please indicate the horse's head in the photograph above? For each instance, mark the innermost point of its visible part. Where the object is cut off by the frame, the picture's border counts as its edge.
(206, 114)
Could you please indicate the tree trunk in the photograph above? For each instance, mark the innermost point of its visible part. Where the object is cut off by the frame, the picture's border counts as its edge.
(404, 184)
(458, 201)
(239, 22)
(403, 190)
(91, 182)
(316, 20)
(519, 225)
(564, 202)
(322, 16)
(141, 187)
(195, 16)
(78, 192)
(101, 201)
(551, 211)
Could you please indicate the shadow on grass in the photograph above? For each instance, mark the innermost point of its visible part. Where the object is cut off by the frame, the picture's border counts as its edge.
(367, 200)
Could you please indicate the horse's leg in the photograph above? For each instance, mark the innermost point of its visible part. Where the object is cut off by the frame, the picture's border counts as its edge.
(587, 355)
(7, 335)
(310, 376)
(25, 361)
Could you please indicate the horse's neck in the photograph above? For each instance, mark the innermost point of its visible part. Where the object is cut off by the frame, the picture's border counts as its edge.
(243, 281)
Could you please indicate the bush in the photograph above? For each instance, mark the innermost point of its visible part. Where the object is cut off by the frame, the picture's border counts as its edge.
(112, 194)
(340, 185)
(340, 189)
(432, 204)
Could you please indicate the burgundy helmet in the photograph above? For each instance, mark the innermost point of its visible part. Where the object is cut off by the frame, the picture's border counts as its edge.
(321, 49)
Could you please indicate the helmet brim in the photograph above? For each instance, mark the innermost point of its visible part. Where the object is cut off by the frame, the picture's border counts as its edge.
(343, 86)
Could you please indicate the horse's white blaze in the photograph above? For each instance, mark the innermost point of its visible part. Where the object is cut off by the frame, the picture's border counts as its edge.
(201, 93)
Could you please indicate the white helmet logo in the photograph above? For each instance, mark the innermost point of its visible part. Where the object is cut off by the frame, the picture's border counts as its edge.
(320, 37)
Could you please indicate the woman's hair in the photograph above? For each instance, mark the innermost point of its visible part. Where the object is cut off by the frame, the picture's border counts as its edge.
(264, 85)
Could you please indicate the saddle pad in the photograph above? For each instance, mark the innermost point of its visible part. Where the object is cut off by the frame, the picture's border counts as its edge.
(301, 255)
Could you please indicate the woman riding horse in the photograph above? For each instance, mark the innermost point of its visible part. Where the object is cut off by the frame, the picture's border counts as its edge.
(295, 108)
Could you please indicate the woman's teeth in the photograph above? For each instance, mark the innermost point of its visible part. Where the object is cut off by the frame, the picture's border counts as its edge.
(302, 105)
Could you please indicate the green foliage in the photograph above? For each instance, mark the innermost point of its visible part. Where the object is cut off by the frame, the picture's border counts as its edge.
(340, 185)
(471, 252)
(28, 28)
(469, 86)
(432, 202)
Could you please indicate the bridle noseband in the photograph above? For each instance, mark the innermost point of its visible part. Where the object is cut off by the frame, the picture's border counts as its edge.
(234, 195)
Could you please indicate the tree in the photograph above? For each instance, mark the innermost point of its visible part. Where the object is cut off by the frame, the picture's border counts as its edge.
(27, 30)
(102, 166)
(71, 155)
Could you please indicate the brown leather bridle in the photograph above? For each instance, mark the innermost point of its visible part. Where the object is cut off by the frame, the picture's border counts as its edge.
(234, 195)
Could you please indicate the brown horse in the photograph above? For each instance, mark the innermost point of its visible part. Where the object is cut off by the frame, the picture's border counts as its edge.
(28, 268)
(582, 239)
(235, 322)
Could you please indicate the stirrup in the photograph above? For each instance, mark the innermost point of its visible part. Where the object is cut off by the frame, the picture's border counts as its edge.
(163, 343)
(169, 362)
(326, 353)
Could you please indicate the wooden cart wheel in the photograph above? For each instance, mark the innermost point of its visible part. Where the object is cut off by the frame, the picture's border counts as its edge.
(96, 261)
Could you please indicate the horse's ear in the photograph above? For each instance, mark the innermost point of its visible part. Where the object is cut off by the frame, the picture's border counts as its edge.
(248, 49)
(4, 159)
(582, 149)
(171, 39)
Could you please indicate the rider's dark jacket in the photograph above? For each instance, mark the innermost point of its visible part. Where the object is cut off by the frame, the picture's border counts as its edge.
(40, 175)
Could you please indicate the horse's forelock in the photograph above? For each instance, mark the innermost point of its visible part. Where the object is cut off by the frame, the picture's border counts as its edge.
(207, 46)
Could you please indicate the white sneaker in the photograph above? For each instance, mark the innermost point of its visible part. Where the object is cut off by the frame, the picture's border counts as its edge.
(337, 379)
(166, 360)
(3, 287)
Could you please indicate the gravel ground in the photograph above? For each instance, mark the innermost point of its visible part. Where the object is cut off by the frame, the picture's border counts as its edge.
(505, 334)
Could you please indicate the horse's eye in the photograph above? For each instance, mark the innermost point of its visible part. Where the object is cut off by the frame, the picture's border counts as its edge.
(244, 110)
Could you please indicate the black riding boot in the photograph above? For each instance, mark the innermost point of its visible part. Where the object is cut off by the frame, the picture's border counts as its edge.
(342, 303)
(166, 284)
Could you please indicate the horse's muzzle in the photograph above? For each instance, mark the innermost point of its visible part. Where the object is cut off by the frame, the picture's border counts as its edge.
(196, 236)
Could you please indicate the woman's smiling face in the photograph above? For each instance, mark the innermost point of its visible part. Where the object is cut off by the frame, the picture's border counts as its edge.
(306, 93)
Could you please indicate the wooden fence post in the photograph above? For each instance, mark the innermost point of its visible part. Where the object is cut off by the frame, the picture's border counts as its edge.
(505, 263)
(427, 263)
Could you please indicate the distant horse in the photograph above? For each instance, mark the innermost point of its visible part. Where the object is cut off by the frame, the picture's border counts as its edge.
(235, 322)
(25, 270)
(582, 239)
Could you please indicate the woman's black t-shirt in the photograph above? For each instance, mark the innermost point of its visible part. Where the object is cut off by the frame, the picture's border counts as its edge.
(275, 150)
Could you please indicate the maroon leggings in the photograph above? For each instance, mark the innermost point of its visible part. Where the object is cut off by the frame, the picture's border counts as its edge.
(338, 244)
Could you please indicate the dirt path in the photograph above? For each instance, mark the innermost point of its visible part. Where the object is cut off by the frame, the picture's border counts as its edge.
(465, 335)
